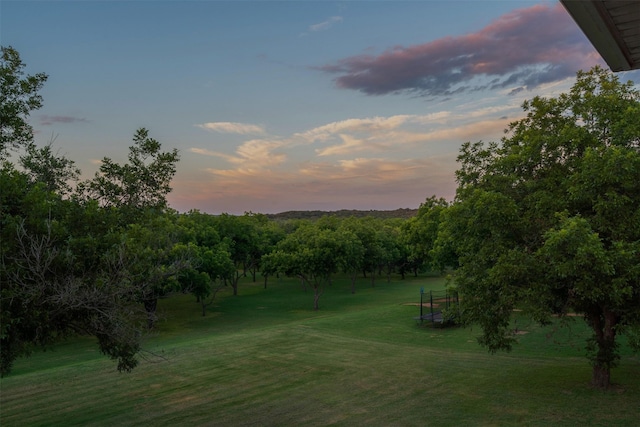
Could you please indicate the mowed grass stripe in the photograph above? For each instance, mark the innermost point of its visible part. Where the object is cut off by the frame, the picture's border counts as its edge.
(304, 369)
(361, 361)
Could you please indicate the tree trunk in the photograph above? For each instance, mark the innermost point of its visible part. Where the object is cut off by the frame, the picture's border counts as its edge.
(316, 298)
(234, 283)
(605, 356)
(150, 305)
(601, 377)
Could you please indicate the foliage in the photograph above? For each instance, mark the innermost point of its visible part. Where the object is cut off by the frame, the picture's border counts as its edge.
(78, 261)
(313, 253)
(140, 184)
(18, 97)
(52, 170)
(209, 270)
(240, 235)
(56, 280)
(420, 233)
(152, 259)
(549, 219)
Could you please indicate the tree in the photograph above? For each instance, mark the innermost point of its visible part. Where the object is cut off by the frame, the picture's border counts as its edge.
(241, 236)
(311, 253)
(366, 231)
(549, 219)
(52, 170)
(138, 190)
(152, 260)
(141, 184)
(269, 234)
(76, 264)
(353, 261)
(382, 246)
(18, 97)
(209, 271)
(420, 233)
(61, 273)
(390, 255)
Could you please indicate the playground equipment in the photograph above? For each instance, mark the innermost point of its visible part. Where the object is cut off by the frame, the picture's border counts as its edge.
(443, 307)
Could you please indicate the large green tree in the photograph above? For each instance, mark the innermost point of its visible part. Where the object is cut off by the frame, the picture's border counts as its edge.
(138, 190)
(548, 220)
(61, 273)
(313, 254)
(83, 262)
(59, 265)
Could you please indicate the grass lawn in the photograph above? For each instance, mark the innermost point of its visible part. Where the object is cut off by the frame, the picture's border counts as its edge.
(265, 358)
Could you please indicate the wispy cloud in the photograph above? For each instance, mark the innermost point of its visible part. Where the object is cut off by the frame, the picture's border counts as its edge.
(205, 152)
(325, 25)
(349, 145)
(404, 139)
(322, 26)
(232, 127)
(46, 120)
(369, 171)
(256, 154)
(521, 50)
(368, 125)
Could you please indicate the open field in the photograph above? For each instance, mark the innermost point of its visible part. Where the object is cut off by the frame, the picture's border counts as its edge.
(264, 358)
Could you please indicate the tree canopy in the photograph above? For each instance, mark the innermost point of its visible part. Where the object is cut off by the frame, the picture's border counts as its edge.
(548, 220)
(80, 260)
(141, 183)
(18, 97)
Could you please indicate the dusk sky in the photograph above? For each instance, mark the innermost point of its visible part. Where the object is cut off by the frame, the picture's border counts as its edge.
(293, 105)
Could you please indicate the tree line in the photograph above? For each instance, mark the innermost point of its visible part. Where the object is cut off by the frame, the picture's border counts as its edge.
(547, 221)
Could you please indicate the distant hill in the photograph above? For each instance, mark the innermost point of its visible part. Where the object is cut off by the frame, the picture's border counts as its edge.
(344, 213)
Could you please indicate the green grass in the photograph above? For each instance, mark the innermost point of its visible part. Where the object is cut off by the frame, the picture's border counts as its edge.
(264, 358)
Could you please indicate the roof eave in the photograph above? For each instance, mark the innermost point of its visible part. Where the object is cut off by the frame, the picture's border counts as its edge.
(596, 24)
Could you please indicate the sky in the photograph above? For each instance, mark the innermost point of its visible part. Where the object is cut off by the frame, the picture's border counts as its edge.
(293, 105)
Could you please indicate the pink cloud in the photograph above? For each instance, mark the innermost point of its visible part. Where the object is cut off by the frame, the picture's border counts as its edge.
(46, 120)
(521, 49)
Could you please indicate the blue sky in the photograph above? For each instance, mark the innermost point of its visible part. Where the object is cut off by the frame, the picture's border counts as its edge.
(293, 105)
